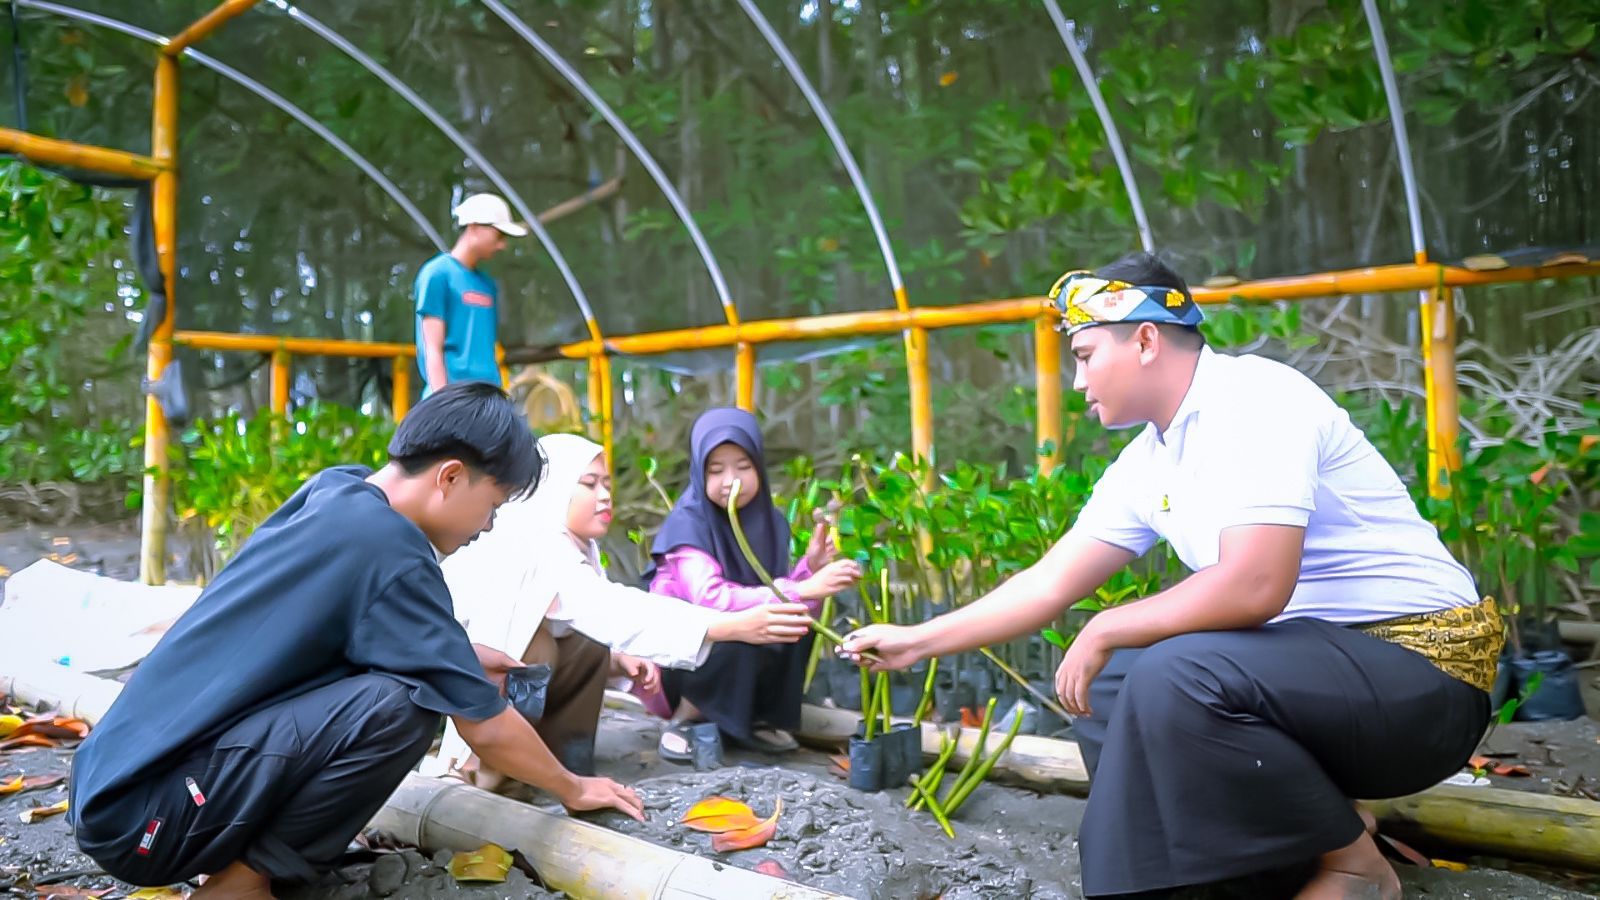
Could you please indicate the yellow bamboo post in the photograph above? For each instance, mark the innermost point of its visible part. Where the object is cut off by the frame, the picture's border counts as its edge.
(500, 362)
(600, 401)
(279, 397)
(921, 399)
(1438, 321)
(164, 149)
(400, 388)
(1047, 390)
(745, 376)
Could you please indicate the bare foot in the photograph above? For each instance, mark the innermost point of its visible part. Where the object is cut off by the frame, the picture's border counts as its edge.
(237, 882)
(1354, 872)
(686, 712)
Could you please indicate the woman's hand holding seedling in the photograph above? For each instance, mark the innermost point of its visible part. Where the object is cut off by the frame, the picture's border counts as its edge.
(839, 575)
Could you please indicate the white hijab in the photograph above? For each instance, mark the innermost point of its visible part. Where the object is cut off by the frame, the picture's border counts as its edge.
(495, 581)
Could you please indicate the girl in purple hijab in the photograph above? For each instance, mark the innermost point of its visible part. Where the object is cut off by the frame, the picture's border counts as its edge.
(751, 692)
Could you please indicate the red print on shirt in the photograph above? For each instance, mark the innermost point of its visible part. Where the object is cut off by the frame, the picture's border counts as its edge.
(476, 298)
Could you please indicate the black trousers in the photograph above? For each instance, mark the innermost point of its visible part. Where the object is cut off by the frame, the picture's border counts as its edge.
(283, 791)
(743, 687)
(1219, 755)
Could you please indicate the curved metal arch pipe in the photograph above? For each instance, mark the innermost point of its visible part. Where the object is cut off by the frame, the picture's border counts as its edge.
(1069, 37)
(455, 136)
(842, 149)
(582, 86)
(260, 90)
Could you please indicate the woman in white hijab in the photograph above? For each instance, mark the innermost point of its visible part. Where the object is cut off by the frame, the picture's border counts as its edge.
(533, 588)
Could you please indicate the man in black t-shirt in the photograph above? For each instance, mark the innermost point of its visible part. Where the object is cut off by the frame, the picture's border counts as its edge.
(278, 713)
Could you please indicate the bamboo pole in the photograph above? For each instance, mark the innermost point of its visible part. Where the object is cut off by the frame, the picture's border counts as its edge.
(1438, 321)
(49, 151)
(268, 343)
(1382, 279)
(279, 399)
(400, 388)
(1039, 762)
(745, 377)
(580, 858)
(1047, 391)
(569, 206)
(1556, 831)
(206, 26)
(164, 149)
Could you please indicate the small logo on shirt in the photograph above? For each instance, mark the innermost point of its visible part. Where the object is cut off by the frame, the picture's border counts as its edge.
(148, 839)
(476, 298)
(194, 792)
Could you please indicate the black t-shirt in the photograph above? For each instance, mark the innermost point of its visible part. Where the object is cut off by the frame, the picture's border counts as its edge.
(336, 583)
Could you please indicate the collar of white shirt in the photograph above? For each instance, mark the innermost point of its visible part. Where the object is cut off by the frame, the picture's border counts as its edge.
(1204, 374)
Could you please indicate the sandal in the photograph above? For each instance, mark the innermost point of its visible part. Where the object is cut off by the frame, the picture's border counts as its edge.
(772, 740)
(674, 745)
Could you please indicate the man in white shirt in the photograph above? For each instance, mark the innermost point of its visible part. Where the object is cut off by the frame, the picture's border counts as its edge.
(1326, 646)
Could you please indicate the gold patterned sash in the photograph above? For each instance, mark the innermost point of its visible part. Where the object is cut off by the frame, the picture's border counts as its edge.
(1463, 642)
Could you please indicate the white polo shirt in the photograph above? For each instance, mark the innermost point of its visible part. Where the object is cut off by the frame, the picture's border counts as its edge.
(1257, 443)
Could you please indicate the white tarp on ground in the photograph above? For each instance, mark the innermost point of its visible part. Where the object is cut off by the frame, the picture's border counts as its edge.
(84, 621)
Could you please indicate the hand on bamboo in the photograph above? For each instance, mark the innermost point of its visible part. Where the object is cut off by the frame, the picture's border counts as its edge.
(774, 623)
(1085, 658)
(895, 647)
(821, 550)
(603, 793)
(839, 575)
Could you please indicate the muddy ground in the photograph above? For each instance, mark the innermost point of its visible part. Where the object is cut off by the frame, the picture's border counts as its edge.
(1010, 842)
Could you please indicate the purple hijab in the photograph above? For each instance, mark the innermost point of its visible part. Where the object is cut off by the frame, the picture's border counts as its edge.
(698, 522)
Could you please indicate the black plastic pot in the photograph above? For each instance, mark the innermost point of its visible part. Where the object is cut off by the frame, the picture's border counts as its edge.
(866, 764)
(1504, 683)
(887, 760)
(903, 698)
(1558, 697)
(949, 697)
(844, 685)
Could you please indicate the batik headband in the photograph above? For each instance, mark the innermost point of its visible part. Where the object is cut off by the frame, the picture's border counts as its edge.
(1084, 299)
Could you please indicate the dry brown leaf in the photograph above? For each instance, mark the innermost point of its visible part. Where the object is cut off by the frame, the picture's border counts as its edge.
(68, 890)
(8, 724)
(747, 838)
(719, 814)
(43, 812)
(14, 786)
(772, 867)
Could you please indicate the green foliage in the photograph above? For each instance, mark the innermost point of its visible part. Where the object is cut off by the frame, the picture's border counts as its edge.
(229, 473)
(56, 282)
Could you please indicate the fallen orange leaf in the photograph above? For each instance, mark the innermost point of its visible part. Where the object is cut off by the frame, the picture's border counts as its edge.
(1539, 474)
(717, 814)
(840, 766)
(748, 838)
(1480, 762)
(26, 740)
(43, 812)
(1587, 442)
(970, 719)
(30, 783)
(1516, 770)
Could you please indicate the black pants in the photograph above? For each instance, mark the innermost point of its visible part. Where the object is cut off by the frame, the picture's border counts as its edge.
(1218, 755)
(283, 791)
(742, 687)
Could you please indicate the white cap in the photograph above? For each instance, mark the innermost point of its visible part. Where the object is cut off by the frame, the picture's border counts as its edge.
(488, 209)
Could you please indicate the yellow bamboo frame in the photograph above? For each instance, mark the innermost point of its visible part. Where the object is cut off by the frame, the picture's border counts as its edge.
(1435, 283)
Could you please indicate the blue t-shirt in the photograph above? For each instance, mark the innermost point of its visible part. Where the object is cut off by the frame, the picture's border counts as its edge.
(465, 299)
(334, 584)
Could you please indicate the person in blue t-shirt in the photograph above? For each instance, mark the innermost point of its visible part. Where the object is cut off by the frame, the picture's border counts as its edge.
(457, 315)
(282, 709)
